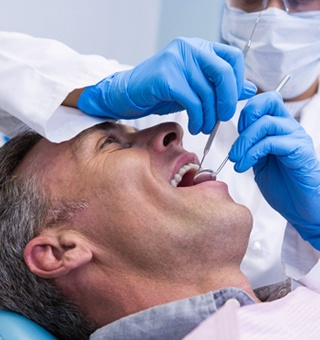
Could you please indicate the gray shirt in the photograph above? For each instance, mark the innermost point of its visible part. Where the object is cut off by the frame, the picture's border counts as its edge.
(171, 321)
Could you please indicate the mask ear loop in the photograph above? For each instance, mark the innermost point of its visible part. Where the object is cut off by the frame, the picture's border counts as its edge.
(248, 43)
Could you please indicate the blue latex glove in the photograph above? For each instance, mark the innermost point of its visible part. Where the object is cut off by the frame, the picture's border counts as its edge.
(205, 78)
(284, 162)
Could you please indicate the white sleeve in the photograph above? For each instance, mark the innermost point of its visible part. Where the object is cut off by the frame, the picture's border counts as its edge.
(36, 76)
(301, 260)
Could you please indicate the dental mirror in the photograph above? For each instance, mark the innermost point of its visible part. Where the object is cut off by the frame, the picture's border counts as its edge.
(202, 175)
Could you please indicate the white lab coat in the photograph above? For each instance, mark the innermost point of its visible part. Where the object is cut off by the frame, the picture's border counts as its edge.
(37, 74)
(304, 269)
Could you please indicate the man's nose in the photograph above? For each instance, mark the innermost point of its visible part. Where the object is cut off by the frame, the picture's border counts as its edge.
(163, 136)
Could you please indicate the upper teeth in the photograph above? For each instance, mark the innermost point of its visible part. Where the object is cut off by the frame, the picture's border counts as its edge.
(178, 176)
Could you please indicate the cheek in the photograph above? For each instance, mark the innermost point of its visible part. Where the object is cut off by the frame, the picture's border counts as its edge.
(124, 195)
(118, 182)
(62, 182)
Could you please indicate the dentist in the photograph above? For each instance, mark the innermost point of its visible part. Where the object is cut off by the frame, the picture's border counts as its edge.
(286, 40)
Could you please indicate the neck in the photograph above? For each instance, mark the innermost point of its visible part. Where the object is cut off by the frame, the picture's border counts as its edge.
(120, 294)
(312, 90)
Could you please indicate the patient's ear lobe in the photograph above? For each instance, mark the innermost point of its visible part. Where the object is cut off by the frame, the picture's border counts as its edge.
(57, 254)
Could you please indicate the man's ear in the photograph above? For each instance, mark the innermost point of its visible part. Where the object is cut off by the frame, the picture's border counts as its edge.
(56, 254)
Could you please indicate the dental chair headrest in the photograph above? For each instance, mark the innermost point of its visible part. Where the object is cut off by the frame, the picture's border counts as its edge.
(15, 327)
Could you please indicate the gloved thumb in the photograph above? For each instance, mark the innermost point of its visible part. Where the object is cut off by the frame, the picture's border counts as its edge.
(249, 89)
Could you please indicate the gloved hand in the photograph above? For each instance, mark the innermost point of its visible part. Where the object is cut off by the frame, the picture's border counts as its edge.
(284, 162)
(206, 79)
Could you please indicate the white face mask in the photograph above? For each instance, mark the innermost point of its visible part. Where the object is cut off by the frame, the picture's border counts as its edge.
(281, 44)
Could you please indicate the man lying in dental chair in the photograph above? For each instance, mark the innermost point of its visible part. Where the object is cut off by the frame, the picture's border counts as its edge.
(96, 241)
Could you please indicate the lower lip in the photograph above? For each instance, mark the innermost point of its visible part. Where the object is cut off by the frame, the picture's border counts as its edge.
(213, 183)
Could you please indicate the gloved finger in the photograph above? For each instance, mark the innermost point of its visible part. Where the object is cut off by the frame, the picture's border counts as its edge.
(261, 129)
(222, 97)
(222, 76)
(188, 99)
(246, 89)
(268, 103)
(249, 89)
(203, 89)
(275, 145)
(234, 57)
(223, 82)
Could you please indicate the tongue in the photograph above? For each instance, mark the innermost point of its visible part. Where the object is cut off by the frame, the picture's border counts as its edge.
(203, 177)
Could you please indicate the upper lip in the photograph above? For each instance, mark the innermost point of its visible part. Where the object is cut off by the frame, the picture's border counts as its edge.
(183, 159)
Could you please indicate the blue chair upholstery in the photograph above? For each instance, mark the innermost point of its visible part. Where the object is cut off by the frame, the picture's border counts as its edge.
(16, 327)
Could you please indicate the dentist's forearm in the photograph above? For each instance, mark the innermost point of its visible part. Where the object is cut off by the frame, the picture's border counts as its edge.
(73, 97)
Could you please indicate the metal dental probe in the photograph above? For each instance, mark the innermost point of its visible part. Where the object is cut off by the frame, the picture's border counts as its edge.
(209, 142)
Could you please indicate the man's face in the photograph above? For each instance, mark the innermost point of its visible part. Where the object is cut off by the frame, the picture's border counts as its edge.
(133, 208)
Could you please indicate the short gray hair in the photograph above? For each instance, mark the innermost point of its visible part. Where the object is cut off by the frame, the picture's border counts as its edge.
(23, 212)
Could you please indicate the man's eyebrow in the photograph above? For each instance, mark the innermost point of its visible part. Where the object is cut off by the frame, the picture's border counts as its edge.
(84, 138)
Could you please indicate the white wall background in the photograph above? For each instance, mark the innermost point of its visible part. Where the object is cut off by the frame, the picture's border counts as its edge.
(127, 30)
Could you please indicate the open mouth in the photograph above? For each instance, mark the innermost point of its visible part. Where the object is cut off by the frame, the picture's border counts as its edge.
(184, 177)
